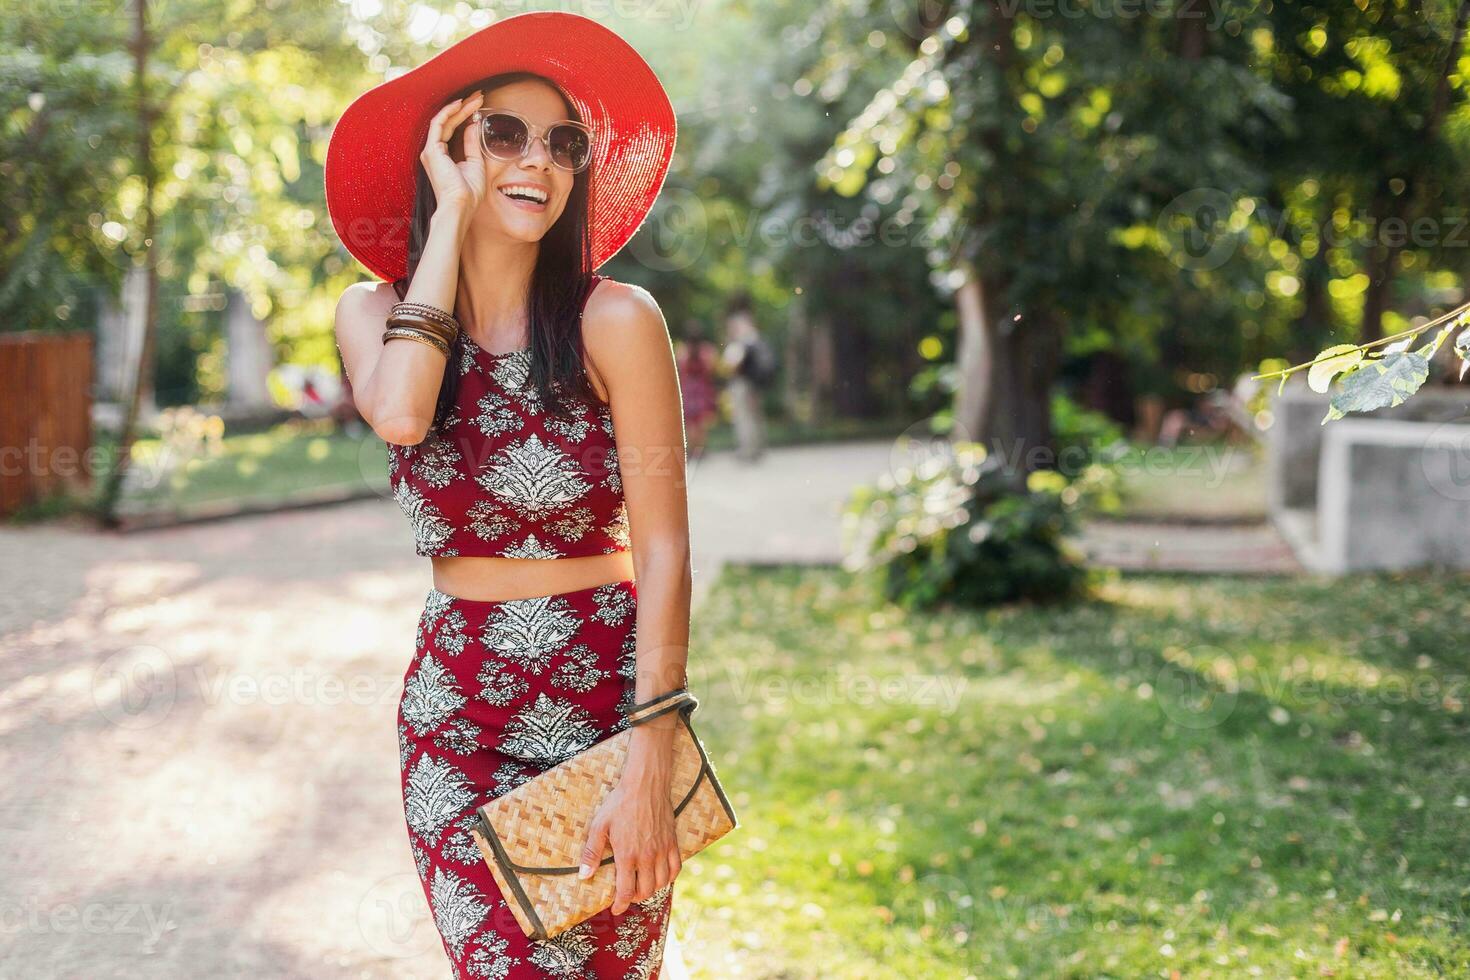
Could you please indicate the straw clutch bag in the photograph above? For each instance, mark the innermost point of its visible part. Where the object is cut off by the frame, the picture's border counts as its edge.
(532, 836)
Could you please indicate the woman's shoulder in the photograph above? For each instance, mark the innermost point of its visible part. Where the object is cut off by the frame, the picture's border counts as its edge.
(622, 324)
(367, 298)
(614, 300)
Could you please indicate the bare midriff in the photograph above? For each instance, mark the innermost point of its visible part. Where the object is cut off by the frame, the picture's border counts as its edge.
(499, 579)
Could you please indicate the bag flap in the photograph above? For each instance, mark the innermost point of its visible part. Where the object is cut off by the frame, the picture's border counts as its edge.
(541, 826)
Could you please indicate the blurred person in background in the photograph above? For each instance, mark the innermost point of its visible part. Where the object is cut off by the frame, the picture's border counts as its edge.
(698, 363)
(750, 364)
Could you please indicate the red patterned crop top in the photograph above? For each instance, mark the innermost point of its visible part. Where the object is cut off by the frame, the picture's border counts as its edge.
(502, 478)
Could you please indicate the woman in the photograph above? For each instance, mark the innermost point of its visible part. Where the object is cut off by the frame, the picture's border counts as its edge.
(697, 360)
(539, 461)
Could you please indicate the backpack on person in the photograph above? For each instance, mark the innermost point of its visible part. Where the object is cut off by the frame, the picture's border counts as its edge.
(759, 364)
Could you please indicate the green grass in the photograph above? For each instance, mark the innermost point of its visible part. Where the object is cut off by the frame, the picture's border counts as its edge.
(1187, 777)
(259, 466)
(1194, 482)
(249, 468)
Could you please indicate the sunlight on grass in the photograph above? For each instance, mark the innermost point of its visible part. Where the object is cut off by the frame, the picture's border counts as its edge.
(1125, 787)
(1205, 481)
(265, 466)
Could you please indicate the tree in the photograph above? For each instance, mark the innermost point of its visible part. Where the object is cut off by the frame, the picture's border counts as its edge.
(1051, 149)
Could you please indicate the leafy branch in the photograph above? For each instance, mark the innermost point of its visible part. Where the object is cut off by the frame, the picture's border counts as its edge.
(1369, 378)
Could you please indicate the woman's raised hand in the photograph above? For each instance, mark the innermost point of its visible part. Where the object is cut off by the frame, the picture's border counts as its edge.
(456, 184)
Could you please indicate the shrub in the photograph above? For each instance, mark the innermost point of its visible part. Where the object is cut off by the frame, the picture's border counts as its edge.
(1084, 437)
(957, 527)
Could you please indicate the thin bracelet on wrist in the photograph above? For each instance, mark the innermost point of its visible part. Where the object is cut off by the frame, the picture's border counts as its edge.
(667, 703)
(407, 333)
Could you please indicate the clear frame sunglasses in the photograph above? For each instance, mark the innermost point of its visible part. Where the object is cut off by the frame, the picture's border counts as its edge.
(507, 135)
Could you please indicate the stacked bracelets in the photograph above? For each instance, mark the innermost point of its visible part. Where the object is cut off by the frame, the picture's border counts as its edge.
(423, 323)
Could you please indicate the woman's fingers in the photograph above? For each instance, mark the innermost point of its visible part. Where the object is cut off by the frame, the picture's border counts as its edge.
(473, 166)
(658, 873)
(456, 119)
(592, 850)
(473, 151)
(647, 881)
(467, 106)
(627, 885)
(435, 136)
(447, 120)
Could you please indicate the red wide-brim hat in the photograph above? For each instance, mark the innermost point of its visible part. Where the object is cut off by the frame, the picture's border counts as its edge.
(373, 154)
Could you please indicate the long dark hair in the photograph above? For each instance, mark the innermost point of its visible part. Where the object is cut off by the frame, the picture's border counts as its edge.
(559, 284)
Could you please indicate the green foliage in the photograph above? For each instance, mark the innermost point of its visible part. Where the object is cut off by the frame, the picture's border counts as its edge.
(957, 528)
(1084, 439)
(1371, 376)
(1383, 382)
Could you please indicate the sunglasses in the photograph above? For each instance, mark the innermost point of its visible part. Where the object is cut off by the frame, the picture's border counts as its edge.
(507, 135)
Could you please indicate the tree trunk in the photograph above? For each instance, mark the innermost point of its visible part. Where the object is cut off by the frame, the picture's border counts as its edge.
(1022, 373)
(1195, 17)
(1315, 323)
(248, 355)
(823, 367)
(972, 361)
(142, 382)
(1108, 388)
(1007, 368)
(852, 391)
(1387, 219)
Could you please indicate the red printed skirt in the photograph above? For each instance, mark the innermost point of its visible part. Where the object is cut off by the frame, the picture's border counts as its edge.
(496, 693)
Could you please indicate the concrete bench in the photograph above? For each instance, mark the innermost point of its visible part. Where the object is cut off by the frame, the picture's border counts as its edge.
(1392, 495)
(1294, 441)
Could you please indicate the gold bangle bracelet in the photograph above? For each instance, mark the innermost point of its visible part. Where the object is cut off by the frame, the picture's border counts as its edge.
(427, 310)
(430, 312)
(446, 330)
(447, 334)
(416, 322)
(418, 337)
(410, 328)
(408, 333)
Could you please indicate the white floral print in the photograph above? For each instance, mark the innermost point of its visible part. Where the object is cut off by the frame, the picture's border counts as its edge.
(548, 732)
(534, 477)
(458, 908)
(430, 529)
(435, 795)
(529, 631)
(430, 696)
(501, 476)
(565, 955)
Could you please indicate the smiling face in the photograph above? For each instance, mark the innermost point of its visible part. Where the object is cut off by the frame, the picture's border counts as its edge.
(534, 175)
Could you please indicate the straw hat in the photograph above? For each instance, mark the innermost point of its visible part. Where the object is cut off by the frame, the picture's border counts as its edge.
(373, 153)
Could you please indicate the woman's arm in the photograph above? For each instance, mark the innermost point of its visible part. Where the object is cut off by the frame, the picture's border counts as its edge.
(632, 354)
(396, 385)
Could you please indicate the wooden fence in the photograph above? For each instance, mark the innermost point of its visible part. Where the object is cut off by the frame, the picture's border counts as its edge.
(45, 415)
